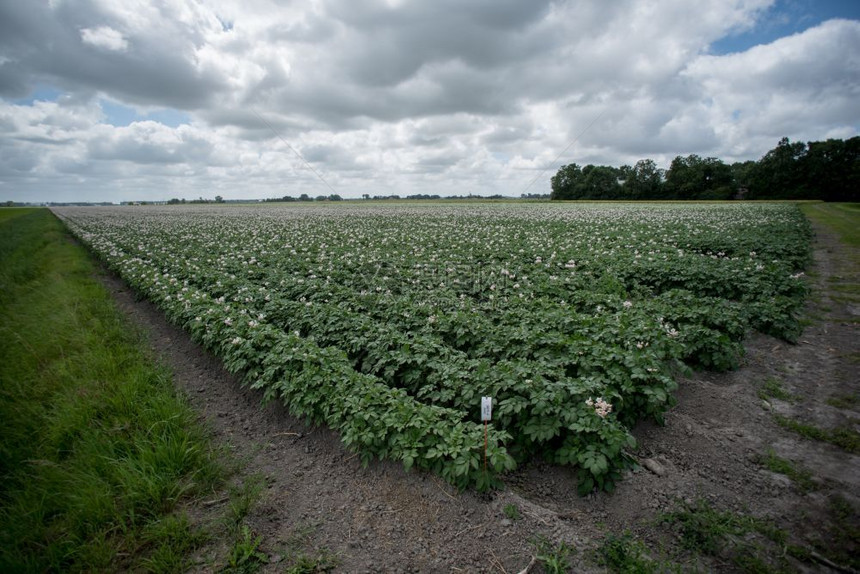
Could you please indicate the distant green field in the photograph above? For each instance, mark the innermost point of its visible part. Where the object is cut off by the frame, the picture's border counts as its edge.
(12, 212)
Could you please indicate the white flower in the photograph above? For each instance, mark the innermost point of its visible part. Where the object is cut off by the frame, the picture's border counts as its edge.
(601, 407)
(628, 304)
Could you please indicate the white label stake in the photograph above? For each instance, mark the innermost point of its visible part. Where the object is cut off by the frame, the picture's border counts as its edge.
(486, 408)
(486, 416)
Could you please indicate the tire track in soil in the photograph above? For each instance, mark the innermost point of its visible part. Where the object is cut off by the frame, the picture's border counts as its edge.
(384, 519)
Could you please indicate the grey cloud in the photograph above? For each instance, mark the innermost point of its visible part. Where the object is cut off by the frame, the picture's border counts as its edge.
(429, 96)
(43, 44)
(384, 47)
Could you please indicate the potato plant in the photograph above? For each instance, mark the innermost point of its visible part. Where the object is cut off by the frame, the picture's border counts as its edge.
(389, 322)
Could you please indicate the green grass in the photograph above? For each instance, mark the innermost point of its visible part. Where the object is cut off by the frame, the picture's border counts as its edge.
(801, 477)
(10, 213)
(843, 218)
(772, 388)
(842, 542)
(304, 555)
(845, 401)
(554, 558)
(744, 541)
(97, 451)
(843, 437)
(512, 512)
(242, 499)
(245, 556)
(322, 561)
(625, 554)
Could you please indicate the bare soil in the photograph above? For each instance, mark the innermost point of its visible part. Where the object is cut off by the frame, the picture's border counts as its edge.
(385, 519)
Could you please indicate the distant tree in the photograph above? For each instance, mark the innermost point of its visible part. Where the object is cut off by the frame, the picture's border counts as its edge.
(643, 181)
(832, 168)
(173, 201)
(589, 182)
(600, 182)
(742, 171)
(780, 173)
(693, 177)
(828, 170)
(365, 196)
(305, 197)
(335, 197)
(219, 199)
(566, 184)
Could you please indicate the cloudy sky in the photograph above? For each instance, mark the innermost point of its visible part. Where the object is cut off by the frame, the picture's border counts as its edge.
(112, 100)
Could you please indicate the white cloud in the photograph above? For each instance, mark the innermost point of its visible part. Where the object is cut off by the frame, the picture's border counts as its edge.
(399, 97)
(104, 37)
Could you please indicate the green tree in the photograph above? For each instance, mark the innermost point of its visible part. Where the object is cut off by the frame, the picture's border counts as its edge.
(643, 181)
(832, 168)
(600, 182)
(693, 177)
(780, 173)
(566, 182)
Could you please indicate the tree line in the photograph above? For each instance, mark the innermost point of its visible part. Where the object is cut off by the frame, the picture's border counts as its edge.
(827, 170)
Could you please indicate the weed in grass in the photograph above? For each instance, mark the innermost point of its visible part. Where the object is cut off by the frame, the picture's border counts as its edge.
(843, 546)
(843, 437)
(704, 529)
(772, 388)
(242, 499)
(245, 556)
(553, 558)
(626, 555)
(801, 477)
(323, 561)
(512, 512)
(172, 538)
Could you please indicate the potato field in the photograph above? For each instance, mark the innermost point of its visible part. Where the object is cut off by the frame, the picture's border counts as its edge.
(389, 322)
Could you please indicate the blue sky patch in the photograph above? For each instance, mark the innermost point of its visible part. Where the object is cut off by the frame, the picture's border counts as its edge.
(120, 115)
(784, 18)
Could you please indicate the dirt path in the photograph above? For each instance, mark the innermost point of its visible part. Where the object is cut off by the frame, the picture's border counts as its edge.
(383, 519)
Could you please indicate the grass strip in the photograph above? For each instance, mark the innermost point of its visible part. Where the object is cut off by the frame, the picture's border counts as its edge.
(843, 437)
(97, 450)
(843, 218)
(801, 476)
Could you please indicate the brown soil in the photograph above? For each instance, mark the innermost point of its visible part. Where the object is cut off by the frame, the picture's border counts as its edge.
(384, 519)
